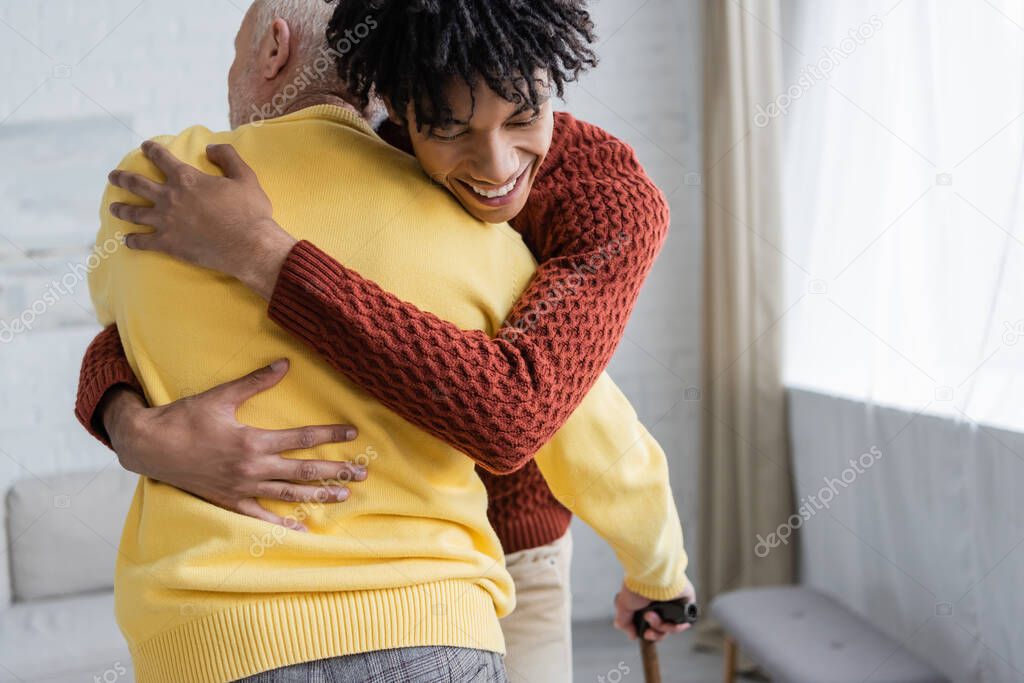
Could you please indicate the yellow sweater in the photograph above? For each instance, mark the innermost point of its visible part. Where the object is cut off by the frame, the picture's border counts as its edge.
(203, 594)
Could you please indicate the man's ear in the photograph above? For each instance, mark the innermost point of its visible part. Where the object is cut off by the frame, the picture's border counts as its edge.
(275, 49)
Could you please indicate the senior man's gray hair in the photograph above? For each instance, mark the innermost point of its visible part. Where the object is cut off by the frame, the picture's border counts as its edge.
(308, 18)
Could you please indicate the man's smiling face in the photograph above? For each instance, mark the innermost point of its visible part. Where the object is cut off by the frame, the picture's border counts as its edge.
(489, 155)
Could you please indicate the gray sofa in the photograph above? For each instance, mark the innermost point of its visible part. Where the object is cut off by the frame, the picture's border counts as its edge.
(61, 535)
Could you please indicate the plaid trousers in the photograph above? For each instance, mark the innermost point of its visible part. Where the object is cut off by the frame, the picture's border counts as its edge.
(403, 665)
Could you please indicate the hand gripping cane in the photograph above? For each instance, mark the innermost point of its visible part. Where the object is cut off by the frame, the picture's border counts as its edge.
(669, 611)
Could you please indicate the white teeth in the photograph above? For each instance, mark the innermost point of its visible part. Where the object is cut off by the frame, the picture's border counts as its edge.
(494, 194)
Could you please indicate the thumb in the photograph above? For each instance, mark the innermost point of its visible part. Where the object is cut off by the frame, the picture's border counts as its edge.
(228, 160)
(242, 389)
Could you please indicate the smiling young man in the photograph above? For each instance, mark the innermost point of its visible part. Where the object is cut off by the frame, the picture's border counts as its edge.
(582, 204)
(489, 153)
(450, 155)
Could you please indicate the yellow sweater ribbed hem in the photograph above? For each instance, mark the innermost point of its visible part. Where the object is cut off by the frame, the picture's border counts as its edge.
(664, 592)
(265, 635)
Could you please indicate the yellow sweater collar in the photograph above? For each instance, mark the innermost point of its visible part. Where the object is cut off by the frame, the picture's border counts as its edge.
(331, 112)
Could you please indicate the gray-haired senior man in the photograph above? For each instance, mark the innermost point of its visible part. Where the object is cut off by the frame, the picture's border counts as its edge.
(294, 90)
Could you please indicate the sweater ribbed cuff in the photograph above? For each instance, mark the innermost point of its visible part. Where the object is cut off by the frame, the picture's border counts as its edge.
(665, 592)
(95, 383)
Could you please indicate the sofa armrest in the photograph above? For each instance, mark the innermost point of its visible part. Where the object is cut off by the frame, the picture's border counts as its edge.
(65, 530)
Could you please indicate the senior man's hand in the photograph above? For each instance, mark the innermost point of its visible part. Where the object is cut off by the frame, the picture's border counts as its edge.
(224, 223)
(627, 603)
(197, 445)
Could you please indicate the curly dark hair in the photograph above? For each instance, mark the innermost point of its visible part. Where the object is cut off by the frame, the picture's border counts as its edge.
(408, 51)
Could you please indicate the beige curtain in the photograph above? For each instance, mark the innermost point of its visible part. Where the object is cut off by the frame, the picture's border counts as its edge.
(745, 463)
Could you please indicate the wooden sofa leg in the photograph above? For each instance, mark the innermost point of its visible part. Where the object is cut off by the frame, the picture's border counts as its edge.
(729, 655)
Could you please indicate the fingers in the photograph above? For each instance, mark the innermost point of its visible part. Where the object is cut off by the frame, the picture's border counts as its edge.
(170, 165)
(301, 493)
(242, 389)
(250, 507)
(142, 241)
(657, 630)
(660, 629)
(315, 470)
(654, 623)
(228, 160)
(132, 213)
(657, 637)
(307, 437)
(136, 184)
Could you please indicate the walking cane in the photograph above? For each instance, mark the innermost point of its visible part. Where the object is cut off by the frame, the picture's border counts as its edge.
(669, 611)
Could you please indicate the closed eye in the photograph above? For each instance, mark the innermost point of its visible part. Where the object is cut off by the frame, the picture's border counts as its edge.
(436, 135)
(525, 124)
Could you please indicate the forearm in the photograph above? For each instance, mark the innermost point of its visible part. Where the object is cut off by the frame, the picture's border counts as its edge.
(268, 252)
(608, 469)
(496, 399)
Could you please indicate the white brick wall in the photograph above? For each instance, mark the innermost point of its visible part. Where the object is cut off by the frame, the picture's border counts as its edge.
(155, 66)
(85, 82)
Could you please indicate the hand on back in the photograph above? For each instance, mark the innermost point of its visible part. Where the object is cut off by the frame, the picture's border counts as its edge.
(197, 444)
(224, 223)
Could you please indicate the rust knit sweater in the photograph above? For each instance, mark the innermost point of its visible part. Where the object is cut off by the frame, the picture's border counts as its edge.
(594, 221)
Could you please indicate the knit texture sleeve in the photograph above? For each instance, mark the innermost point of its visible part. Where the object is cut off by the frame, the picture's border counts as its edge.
(104, 367)
(595, 222)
